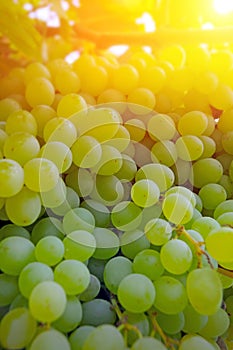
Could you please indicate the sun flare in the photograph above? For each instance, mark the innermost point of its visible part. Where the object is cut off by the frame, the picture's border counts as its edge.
(223, 6)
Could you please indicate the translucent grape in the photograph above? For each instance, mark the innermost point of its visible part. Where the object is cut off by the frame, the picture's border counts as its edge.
(133, 242)
(110, 161)
(219, 244)
(86, 151)
(54, 197)
(69, 104)
(48, 226)
(72, 201)
(205, 171)
(171, 324)
(96, 267)
(59, 153)
(100, 211)
(125, 78)
(136, 293)
(21, 121)
(78, 219)
(126, 215)
(192, 123)
(8, 289)
(81, 181)
(13, 230)
(148, 343)
(35, 70)
(145, 193)
(92, 290)
(79, 245)
(189, 147)
(19, 301)
(50, 339)
(223, 207)
(7, 106)
(222, 97)
(49, 250)
(73, 276)
(115, 270)
(12, 176)
(136, 127)
(39, 91)
(78, 337)
(105, 337)
(107, 243)
(216, 325)
(177, 208)
(161, 127)
(138, 320)
(42, 114)
(143, 97)
(108, 190)
(212, 195)
(164, 152)
(148, 263)
(193, 320)
(158, 231)
(225, 219)
(193, 342)
(209, 146)
(184, 191)
(205, 225)
(61, 130)
(97, 312)
(47, 301)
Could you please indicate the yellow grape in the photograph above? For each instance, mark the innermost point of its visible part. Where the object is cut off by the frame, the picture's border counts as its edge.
(40, 91)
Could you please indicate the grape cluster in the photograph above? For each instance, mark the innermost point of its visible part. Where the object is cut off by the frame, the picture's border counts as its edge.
(116, 202)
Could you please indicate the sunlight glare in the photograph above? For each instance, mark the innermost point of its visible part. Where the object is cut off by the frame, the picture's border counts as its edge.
(223, 6)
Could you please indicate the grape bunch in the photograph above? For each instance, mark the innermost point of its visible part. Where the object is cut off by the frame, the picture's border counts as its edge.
(116, 202)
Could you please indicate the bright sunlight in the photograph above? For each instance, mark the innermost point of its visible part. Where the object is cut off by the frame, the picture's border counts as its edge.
(223, 6)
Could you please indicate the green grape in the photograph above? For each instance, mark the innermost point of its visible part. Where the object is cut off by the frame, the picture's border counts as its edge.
(42, 114)
(7, 106)
(161, 127)
(59, 153)
(96, 267)
(219, 244)
(70, 104)
(17, 329)
(80, 245)
(133, 242)
(226, 281)
(199, 204)
(72, 201)
(12, 176)
(61, 130)
(196, 215)
(158, 231)
(177, 208)
(189, 147)
(35, 70)
(47, 226)
(81, 181)
(8, 289)
(205, 171)
(126, 216)
(217, 324)
(193, 342)
(204, 225)
(223, 207)
(86, 151)
(115, 270)
(176, 256)
(23, 208)
(71, 316)
(171, 297)
(31, 275)
(104, 337)
(19, 301)
(227, 142)
(107, 190)
(21, 121)
(110, 161)
(100, 211)
(225, 159)
(143, 97)
(192, 123)
(148, 343)
(229, 304)
(136, 293)
(73, 276)
(227, 184)
(231, 171)
(225, 219)
(39, 91)
(13, 230)
(49, 250)
(135, 126)
(98, 312)
(50, 339)
(193, 320)
(127, 170)
(150, 213)
(47, 301)
(67, 81)
(78, 219)
(92, 289)
(138, 320)
(159, 173)
(21, 147)
(171, 324)
(184, 192)
(164, 152)
(204, 290)
(54, 197)
(145, 193)
(78, 337)
(228, 266)
(15, 253)
(107, 243)
(212, 195)
(209, 146)
(181, 170)
(148, 263)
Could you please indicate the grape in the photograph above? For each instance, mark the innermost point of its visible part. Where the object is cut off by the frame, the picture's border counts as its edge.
(78, 337)
(183, 191)
(225, 219)
(97, 312)
(164, 152)
(219, 244)
(66, 81)
(138, 320)
(73, 276)
(136, 293)
(78, 219)
(143, 97)
(40, 174)
(171, 324)
(61, 130)
(80, 245)
(158, 231)
(39, 91)
(110, 161)
(126, 215)
(193, 342)
(153, 78)
(49, 250)
(227, 184)
(226, 281)
(181, 170)
(204, 225)
(12, 176)
(212, 195)
(145, 193)
(47, 226)
(81, 181)
(115, 270)
(21, 121)
(92, 289)
(204, 290)
(192, 123)
(148, 343)
(113, 98)
(15, 253)
(7, 106)
(108, 190)
(86, 151)
(13, 230)
(72, 201)
(229, 304)
(176, 256)
(42, 114)
(98, 83)
(121, 139)
(50, 339)
(47, 301)
(216, 325)
(8, 289)
(161, 127)
(96, 267)
(54, 197)
(71, 316)
(31, 275)
(177, 208)
(222, 97)
(59, 153)
(19, 301)
(21, 147)
(209, 146)
(150, 213)
(35, 70)
(189, 147)
(107, 243)
(171, 297)
(223, 207)
(193, 320)
(133, 242)
(136, 127)
(159, 173)
(148, 263)
(100, 211)
(69, 104)
(105, 337)
(205, 171)
(17, 329)
(125, 78)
